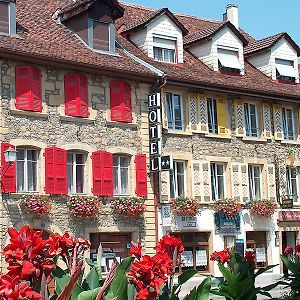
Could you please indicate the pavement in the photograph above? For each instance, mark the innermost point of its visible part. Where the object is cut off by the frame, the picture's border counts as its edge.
(262, 280)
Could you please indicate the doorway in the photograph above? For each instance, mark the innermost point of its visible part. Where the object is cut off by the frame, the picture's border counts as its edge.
(256, 242)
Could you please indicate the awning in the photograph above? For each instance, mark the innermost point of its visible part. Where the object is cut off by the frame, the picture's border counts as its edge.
(164, 43)
(288, 216)
(229, 59)
(286, 70)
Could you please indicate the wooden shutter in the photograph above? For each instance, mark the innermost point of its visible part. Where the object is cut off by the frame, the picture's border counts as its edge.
(23, 88)
(271, 181)
(102, 173)
(196, 182)
(8, 171)
(266, 111)
(202, 107)
(278, 126)
(120, 101)
(141, 175)
(36, 90)
(206, 181)
(239, 118)
(193, 112)
(222, 116)
(165, 186)
(163, 99)
(83, 97)
(4, 17)
(236, 179)
(56, 171)
(245, 181)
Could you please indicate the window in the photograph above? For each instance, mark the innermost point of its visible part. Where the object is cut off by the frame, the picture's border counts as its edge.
(121, 174)
(7, 17)
(174, 111)
(177, 179)
(285, 70)
(254, 182)
(212, 115)
(251, 120)
(288, 123)
(76, 165)
(228, 61)
(217, 181)
(292, 183)
(27, 160)
(164, 50)
(101, 35)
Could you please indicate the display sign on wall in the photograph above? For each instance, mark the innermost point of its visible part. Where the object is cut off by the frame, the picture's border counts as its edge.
(225, 224)
(166, 215)
(186, 222)
(287, 203)
(240, 246)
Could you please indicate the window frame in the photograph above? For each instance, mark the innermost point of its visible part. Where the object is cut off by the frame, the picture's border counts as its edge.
(213, 125)
(285, 123)
(284, 78)
(25, 171)
(248, 119)
(225, 69)
(251, 182)
(74, 172)
(214, 180)
(173, 111)
(289, 183)
(174, 179)
(12, 21)
(119, 193)
(162, 48)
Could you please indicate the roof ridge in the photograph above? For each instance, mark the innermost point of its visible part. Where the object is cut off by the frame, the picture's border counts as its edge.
(198, 18)
(138, 6)
(271, 36)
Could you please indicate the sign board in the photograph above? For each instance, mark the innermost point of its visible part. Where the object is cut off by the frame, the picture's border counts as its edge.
(225, 224)
(166, 215)
(240, 246)
(154, 119)
(287, 203)
(186, 222)
(289, 215)
(166, 163)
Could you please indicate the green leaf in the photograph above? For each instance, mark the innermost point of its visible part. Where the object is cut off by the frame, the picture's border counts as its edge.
(90, 262)
(89, 295)
(126, 262)
(92, 279)
(203, 289)
(231, 278)
(185, 276)
(192, 295)
(294, 268)
(119, 285)
(263, 270)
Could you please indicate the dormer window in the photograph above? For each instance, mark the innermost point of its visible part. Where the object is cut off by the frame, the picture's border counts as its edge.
(7, 17)
(228, 61)
(103, 36)
(285, 70)
(164, 50)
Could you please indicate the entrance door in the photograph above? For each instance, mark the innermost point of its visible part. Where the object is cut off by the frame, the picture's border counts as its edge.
(288, 240)
(257, 242)
(114, 245)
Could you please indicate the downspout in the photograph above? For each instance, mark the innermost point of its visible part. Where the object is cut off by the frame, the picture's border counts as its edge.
(156, 86)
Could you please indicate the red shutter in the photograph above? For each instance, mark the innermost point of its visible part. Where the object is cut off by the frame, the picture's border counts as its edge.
(141, 175)
(36, 90)
(23, 88)
(71, 94)
(116, 100)
(83, 97)
(56, 171)
(8, 172)
(127, 106)
(103, 184)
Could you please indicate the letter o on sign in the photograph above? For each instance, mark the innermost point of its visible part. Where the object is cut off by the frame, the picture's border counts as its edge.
(153, 116)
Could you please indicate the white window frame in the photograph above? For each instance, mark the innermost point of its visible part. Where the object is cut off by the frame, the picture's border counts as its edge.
(171, 114)
(119, 183)
(214, 180)
(248, 120)
(251, 175)
(25, 175)
(74, 173)
(165, 47)
(174, 179)
(231, 52)
(211, 105)
(285, 73)
(284, 124)
(290, 176)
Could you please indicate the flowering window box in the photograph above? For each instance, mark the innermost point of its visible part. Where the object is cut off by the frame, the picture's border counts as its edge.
(128, 206)
(83, 207)
(229, 207)
(184, 206)
(264, 207)
(37, 205)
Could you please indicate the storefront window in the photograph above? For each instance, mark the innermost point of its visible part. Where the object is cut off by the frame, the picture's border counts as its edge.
(114, 246)
(256, 242)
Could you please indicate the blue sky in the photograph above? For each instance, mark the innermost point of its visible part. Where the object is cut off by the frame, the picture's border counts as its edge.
(260, 18)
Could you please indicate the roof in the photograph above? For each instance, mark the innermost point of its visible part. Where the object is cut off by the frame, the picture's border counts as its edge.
(209, 32)
(148, 18)
(196, 73)
(266, 43)
(41, 37)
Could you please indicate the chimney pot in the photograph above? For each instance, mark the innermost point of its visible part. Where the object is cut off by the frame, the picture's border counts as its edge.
(232, 14)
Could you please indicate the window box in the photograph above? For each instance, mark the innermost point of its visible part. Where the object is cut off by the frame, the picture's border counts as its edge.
(83, 207)
(37, 205)
(264, 207)
(128, 206)
(184, 206)
(229, 207)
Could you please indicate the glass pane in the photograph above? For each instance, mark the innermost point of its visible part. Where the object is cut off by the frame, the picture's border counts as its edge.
(177, 111)
(32, 176)
(172, 184)
(180, 180)
(257, 188)
(170, 115)
(70, 177)
(220, 169)
(124, 181)
(80, 158)
(79, 178)
(221, 187)
(116, 190)
(124, 161)
(70, 158)
(116, 161)
(158, 55)
(20, 176)
(20, 154)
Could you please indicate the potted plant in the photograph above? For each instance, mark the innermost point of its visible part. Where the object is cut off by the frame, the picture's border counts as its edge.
(264, 207)
(185, 206)
(83, 207)
(229, 207)
(128, 206)
(37, 205)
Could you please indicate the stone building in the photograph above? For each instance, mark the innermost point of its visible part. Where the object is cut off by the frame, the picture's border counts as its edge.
(74, 92)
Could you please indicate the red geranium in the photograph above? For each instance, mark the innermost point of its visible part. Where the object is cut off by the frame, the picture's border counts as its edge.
(221, 256)
(185, 206)
(229, 207)
(264, 207)
(128, 206)
(288, 251)
(83, 207)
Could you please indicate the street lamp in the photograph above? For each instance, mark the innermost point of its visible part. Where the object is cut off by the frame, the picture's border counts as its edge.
(10, 155)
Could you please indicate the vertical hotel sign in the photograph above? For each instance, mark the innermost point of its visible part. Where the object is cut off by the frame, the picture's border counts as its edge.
(154, 118)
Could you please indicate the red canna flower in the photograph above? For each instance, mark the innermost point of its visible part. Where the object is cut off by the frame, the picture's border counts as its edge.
(222, 256)
(288, 251)
(250, 257)
(297, 249)
(168, 244)
(136, 250)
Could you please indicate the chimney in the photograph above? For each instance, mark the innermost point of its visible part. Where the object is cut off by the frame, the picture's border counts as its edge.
(232, 14)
